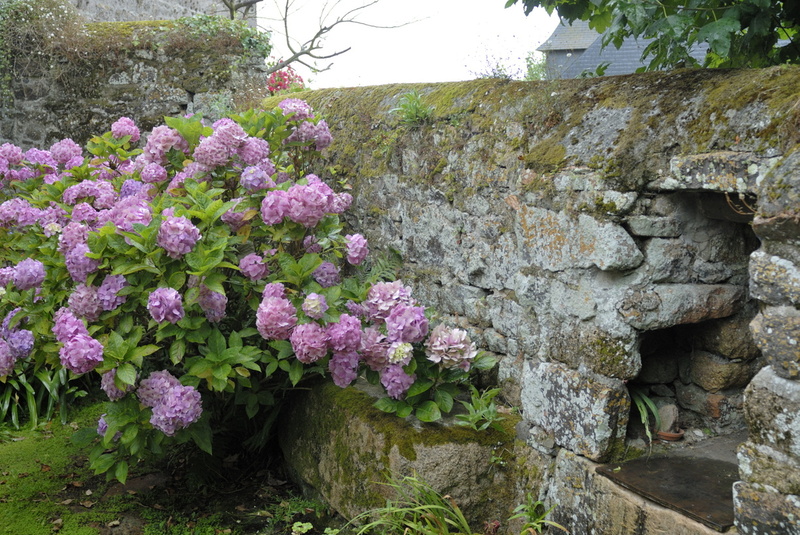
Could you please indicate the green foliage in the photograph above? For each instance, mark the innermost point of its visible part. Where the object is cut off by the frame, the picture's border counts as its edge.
(434, 391)
(412, 111)
(536, 67)
(534, 514)
(208, 26)
(646, 409)
(417, 508)
(741, 33)
(481, 410)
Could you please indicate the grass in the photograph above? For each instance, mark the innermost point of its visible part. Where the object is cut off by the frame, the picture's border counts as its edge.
(47, 487)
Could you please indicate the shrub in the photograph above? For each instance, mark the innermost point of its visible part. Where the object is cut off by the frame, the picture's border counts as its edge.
(201, 274)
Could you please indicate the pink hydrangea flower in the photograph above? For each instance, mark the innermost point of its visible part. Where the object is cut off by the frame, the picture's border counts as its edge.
(66, 325)
(7, 359)
(383, 297)
(108, 292)
(344, 368)
(357, 249)
(177, 235)
(65, 150)
(275, 207)
(253, 268)
(374, 349)
(345, 335)
(155, 387)
(299, 110)
(310, 342)
(178, 408)
(83, 302)
(407, 323)
(450, 347)
(125, 127)
(275, 318)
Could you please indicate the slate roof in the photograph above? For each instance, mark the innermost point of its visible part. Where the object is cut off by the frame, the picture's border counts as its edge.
(577, 36)
(623, 60)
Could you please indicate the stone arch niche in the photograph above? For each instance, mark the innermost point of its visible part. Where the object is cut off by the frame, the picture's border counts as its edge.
(699, 355)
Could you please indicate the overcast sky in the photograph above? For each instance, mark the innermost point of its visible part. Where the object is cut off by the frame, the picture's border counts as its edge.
(446, 40)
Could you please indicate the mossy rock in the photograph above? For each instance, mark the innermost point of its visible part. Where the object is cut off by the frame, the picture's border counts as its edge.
(338, 446)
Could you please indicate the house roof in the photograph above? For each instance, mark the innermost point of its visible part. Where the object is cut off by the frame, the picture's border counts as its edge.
(575, 36)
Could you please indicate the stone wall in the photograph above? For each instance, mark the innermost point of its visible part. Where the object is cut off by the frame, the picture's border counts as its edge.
(146, 70)
(117, 10)
(598, 235)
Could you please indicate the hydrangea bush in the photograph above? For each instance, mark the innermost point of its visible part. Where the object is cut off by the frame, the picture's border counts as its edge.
(201, 271)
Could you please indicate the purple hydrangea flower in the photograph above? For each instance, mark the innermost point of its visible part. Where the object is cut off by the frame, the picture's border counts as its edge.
(341, 203)
(20, 341)
(101, 191)
(65, 150)
(374, 349)
(311, 245)
(310, 342)
(29, 274)
(327, 275)
(345, 335)
(108, 292)
(165, 304)
(275, 318)
(253, 150)
(125, 127)
(13, 154)
(73, 234)
(230, 134)
(235, 220)
(84, 213)
(128, 211)
(213, 304)
(315, 306)
(78, 264)
(7, 359)
(153, 173)
(275, 207)
(159, 142)
(81, 354)
(6, 276)
(110, 387)
(357, 249)
(130, 188)
(18, 212)
(274, 289)
(253, 179)
(299, 109)
(344, 368)
(356, 309)
(212, 152)
(407, 323)
(383, 297)
(396, 381)
(66, 325)
(155, 387)
(253, 268)
(177, 236)
(178, 408)
(83, 302)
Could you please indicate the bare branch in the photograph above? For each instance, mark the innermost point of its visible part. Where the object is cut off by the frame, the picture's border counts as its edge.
(309, 50)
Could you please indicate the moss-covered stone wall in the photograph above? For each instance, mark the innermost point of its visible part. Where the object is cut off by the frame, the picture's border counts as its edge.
(80, 83)
(598, 235)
